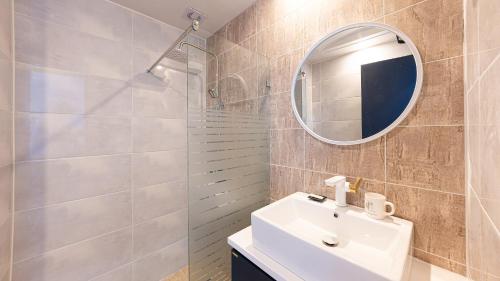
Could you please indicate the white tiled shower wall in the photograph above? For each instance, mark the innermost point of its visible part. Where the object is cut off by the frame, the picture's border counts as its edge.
(482, 96)
(6, 148)
(100, 190)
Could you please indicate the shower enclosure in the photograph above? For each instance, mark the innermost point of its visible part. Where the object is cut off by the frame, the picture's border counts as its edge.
(227, 143)
(228, 159)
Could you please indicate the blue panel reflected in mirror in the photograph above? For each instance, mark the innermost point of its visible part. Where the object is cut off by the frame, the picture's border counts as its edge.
(386, 90)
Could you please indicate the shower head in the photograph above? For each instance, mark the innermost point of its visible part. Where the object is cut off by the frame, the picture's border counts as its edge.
(177, 55)
(195, 18)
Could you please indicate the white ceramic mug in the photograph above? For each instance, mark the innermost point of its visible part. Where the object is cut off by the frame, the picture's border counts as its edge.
(375, 206)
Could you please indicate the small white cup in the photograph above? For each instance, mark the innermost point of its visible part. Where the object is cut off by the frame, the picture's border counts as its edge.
(375, 206)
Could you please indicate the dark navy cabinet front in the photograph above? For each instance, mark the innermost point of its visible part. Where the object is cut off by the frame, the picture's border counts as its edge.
(244, 270)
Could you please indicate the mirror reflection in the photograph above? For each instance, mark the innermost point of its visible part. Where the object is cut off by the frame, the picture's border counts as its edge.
(355, 84)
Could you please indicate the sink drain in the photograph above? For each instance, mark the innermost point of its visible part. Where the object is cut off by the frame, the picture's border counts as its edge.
(330, 241)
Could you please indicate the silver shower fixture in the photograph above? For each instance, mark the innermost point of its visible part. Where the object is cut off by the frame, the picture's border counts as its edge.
(195, 26)
(175, 50)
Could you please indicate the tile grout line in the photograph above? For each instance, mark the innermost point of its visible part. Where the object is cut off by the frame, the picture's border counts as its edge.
(73, 244)
(429, 126)
(133, 261)
(404, 8)
(314, 171)
(427, 189)
(97, 156)
(438, 256)
(131, 163)
(490, 220)
(385, 165)
(13, 145)
(467, 90)
(443, 59)
(58, 204)
(304, 159)
(161, 216)
(370, 179)
(70, 28)
(92, 197)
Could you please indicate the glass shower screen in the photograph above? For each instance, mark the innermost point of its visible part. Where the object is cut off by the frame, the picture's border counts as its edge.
(228, 156)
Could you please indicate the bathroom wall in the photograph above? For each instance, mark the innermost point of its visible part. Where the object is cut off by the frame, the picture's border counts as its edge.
(100, 191)
(419, 165)
(6, 148)
(482, 69)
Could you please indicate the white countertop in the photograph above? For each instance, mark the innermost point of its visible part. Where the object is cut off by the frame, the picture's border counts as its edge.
(242, 242)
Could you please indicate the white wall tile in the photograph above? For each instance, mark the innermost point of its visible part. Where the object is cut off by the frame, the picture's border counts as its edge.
(5, 193)
(109, 59)
(48, 45)
(142, 60)
(78, 262)
(5, 83)
(153, 35)
(97, 17)
(5, 232)
(158, 200)
(162, 263)
(5, 28)
(342, 130)
(340, 87)
(489, 24)
(159, 167)
(76, 65)
(55, 46)
(5, 138)
(341, 110)
(160, 232)
(154, 134)
(161, 104)
(44, 229)
(108, 97)
(316, 112)
(51, 91)
(42, 136)
(5, 243)
(40, 183)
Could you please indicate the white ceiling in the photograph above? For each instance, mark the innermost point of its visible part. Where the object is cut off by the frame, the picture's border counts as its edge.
(173, 12)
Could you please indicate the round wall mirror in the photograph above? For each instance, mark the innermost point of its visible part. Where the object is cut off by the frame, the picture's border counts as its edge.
(357, 83)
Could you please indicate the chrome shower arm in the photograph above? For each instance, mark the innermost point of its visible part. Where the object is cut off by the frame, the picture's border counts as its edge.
(193, 27)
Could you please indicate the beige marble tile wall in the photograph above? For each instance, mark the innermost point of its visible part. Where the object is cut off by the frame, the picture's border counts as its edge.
(419, 166)
(100, 189)
(6, 129)
(482, 69)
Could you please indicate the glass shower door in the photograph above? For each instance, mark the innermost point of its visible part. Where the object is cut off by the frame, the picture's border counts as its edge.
(228, 159)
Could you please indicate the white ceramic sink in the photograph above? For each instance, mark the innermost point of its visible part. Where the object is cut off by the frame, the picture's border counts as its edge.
(291, 231)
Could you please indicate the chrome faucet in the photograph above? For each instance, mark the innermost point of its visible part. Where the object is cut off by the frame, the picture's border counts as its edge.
(342, 186)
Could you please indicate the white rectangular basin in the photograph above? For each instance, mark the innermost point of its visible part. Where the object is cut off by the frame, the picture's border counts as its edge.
(291, 232)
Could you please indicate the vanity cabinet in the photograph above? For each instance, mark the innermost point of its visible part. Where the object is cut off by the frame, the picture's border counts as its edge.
(244, 270)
